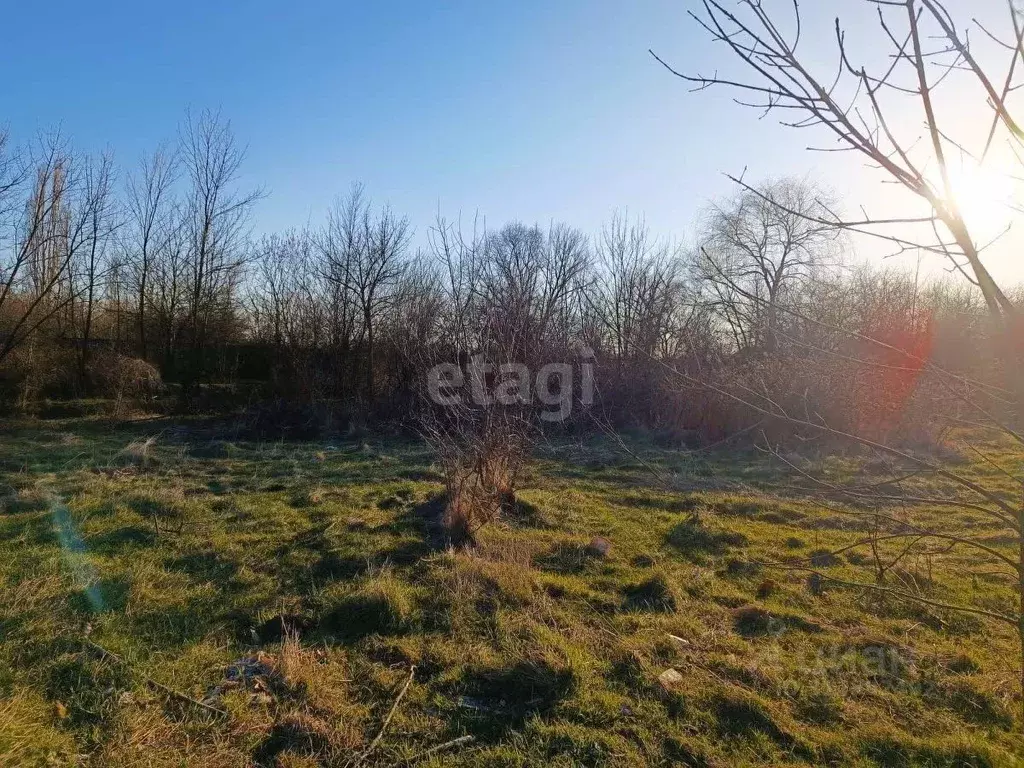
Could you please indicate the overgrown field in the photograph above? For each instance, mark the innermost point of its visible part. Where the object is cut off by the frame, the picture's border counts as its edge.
(146, 583)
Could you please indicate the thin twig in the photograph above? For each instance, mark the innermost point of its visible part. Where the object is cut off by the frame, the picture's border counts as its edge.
(387, 720)
(150, 681)
(441, 747)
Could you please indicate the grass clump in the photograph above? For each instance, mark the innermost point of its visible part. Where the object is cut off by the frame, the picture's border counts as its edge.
(655, 593)
(886, 748)
(380, 604)
(24, 501)
(821, 706)
(970, 704)
(742, 715)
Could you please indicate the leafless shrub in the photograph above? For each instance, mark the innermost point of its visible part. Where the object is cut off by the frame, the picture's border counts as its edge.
(126, 380)
(507, 298)
(481, 453)
(36, 369)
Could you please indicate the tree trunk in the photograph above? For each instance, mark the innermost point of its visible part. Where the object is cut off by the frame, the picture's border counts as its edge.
(369, 357)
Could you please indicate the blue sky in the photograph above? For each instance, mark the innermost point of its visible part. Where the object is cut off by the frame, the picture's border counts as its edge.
(532, 110)
(536, 110)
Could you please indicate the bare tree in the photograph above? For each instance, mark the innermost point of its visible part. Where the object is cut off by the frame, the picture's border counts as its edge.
(339, 245)
(149, 203)
(639, 308)
(375, 278)
(217, 216)
(638, 289)
(459, 261)
(530, 287)
(100, 227)
(278, 263)
(169, 286)
(767, 242)
(290, 311)
(856, 105)
(46, 240)
(418, 307)
(366, 256)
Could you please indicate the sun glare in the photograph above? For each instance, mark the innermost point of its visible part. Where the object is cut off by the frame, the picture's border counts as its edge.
(984, 196)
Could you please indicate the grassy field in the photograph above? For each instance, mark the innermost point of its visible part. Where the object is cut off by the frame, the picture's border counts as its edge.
(148, 570)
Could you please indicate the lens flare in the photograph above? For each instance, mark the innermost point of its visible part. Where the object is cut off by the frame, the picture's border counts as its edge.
(74, 551)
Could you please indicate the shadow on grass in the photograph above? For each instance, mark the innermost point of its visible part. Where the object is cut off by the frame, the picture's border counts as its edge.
(294, 736)
(567, 557)
(423, 521)
(970, 704)
(89, 688)
(381, 606)
(527, 515)
(739, 716)
(117, 541)
(408, 538)
(163, 515)
(176, 626)
(753, 621)
(500, 699)
(420, 475)
(332, 566)
(22, 504)
(207, 566)
(36, 530)
(654, 594)
(105, 595)
(681, 505)
(408, 552)
(891, 750)
(695, 540)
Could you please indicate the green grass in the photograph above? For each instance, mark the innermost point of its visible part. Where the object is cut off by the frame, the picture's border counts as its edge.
(187, 558)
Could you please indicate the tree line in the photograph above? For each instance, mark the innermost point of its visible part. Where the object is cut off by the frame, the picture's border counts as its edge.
(118, 282)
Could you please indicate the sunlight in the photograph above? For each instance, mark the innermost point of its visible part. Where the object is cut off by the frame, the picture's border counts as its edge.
(984, 196)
